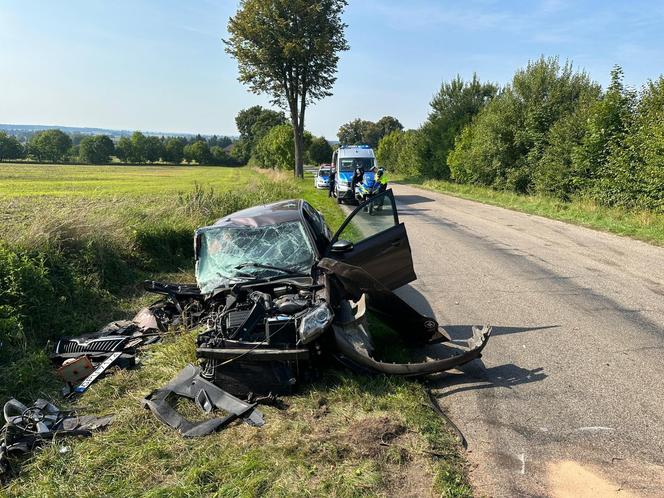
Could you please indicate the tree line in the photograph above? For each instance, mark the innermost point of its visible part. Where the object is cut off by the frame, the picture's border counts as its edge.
(552, 130)
(56, 146)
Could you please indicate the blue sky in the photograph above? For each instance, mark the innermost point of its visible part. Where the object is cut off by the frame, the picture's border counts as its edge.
(160, 65)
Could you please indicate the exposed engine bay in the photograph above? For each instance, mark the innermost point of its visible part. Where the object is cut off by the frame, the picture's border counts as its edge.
(260, 339)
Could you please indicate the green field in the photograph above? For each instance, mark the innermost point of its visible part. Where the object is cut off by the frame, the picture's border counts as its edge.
(57, 180)
(75, 245)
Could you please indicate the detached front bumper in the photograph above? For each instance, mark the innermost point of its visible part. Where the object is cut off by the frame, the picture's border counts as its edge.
(353, 341)
(431, 348)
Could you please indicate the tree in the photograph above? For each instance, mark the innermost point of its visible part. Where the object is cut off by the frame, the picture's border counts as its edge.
(49, 145)
(174, 149)
(387, 153)
(219, 156)
(401, 152)
(354, 132)
(139, 146)
(508, 137)
(253, 123)
(95, 149)
(453, 107)
(388, 124)
(154, 149)
(123, 149)
(276, 149)
(198, 151)
(289, 50)
(360, 131)
(10, 147)
(319, 151)
(633, 176)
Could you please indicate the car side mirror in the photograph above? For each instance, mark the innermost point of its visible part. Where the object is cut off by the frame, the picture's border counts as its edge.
(341, 246)
(197, 246)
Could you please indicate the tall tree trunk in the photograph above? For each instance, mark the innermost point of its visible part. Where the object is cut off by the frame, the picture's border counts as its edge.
(299, 152)
(298, 139)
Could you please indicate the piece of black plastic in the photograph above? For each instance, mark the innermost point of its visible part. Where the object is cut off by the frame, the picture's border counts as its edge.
(207, 396)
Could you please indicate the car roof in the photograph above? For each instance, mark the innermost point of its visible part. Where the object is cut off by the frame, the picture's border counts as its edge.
(264, 215)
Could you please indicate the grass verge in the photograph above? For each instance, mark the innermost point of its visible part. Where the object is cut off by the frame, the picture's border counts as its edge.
(643, 225)
(74, 262)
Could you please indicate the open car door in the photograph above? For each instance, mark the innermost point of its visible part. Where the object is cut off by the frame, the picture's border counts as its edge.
(373, 239)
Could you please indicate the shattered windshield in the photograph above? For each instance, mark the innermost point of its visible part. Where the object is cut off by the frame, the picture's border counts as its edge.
(240, 253)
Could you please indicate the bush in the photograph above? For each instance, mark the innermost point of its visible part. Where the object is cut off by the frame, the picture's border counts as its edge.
(634, 172)
(10, 147)
(452, 108)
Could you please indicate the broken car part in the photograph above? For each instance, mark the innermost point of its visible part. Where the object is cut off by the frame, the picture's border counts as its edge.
(116, 343)
(208, 397)
(28, 427)
(105, 365)
(75, 369)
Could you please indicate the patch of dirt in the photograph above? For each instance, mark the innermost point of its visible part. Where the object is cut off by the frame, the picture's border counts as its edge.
(407, 471)
(411, 480)
(570, 479)
(371, 437)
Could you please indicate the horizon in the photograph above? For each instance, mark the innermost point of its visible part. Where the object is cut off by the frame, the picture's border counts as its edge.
(161, 67)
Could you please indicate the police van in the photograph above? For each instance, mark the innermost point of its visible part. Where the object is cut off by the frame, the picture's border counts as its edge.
(347, 159)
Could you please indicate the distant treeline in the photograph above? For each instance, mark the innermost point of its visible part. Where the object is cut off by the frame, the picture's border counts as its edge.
(552, 131)
(55, 146)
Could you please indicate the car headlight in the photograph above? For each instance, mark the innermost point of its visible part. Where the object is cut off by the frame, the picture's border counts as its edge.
(314, 323)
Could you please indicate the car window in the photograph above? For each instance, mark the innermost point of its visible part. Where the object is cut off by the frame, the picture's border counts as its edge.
(375, 217)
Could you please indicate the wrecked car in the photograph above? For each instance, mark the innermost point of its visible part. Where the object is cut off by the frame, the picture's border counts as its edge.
(279, 295)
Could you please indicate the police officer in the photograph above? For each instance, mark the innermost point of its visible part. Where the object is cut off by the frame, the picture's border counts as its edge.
(357, 178)
(331, 183)
(381, 178)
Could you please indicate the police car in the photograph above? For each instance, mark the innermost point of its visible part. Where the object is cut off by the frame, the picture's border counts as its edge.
(322, 178)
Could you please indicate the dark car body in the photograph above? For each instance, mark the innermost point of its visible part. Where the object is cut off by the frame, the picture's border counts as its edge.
(258, 342)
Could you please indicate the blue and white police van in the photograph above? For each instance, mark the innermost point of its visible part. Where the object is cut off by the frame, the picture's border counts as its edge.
(347, 159)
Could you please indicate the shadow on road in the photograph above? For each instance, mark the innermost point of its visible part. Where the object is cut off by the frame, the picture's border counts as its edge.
(412, 199)
(466, 331)
(475, 375)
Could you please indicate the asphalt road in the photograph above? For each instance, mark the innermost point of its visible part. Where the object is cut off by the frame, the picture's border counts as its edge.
(568, 399)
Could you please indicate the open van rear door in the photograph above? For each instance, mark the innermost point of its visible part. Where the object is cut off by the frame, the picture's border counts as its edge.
(373, 239)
